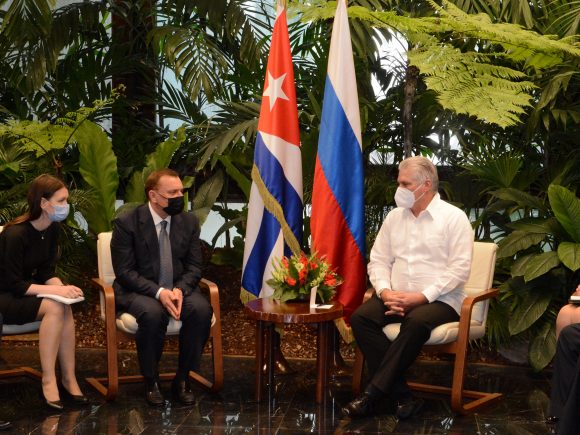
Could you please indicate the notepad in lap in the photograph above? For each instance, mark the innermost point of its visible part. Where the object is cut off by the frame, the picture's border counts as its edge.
(62, 299)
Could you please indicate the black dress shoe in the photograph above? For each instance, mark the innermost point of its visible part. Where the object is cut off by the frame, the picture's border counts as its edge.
(182, 391)
(153, 395)
(5, 425)
(552, 419)
(409, 407)
(75, 399)
(57, 404)
(362, 406)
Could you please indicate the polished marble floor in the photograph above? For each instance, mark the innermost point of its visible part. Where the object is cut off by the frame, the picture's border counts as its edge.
(291, 411)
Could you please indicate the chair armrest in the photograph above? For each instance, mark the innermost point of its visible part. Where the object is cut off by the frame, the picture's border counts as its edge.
(486, 294)
(467, 308)
(214, 296)
(108, 295)
(368, 294)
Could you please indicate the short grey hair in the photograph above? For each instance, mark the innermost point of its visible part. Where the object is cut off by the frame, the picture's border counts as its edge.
(424, 170)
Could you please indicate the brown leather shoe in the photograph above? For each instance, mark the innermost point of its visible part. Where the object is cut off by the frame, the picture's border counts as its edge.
(153, 395)
(182, 392)
(281, 365)
(362, 406)
(409, 407)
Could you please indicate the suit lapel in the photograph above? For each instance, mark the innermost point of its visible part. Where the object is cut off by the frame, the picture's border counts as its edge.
(175, 233)
(149, 234)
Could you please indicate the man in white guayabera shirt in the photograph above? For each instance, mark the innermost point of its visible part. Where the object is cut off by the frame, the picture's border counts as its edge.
(419, 263)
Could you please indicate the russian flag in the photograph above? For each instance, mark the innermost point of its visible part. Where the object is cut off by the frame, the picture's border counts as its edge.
(274, 226)
(337, 218)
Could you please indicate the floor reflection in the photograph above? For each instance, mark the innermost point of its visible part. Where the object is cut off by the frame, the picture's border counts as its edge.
(291, 408)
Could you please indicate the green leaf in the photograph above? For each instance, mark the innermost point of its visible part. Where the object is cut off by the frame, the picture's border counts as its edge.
(520, 265)
(243, 182)
(98, 167)
(207, 195)
(161, 157)
(521, 198)
(158, 159)
(528, 311)
(543, 346)
(566, 207)
(517, 241)
(135, 191)
(569, 254)
(540, 264)
(534, 225)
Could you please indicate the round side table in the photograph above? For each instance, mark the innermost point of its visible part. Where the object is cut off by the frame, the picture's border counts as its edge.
(267, 312)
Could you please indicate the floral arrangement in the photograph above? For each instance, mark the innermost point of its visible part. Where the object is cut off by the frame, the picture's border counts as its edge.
(294, 278)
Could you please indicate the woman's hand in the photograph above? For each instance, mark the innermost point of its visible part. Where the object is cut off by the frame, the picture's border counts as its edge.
(67, 291)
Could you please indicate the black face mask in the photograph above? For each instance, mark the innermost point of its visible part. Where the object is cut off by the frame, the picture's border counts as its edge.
(174, 205)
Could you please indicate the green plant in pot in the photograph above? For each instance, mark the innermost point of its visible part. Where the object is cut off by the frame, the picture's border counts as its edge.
(294, 278)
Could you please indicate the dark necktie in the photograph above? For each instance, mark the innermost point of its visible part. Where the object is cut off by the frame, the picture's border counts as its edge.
(165, 261)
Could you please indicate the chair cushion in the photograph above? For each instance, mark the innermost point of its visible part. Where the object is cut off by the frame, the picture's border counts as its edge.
(20, 329)
(128, 324)
(442, 334)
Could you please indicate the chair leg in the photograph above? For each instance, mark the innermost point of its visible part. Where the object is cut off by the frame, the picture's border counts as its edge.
(112, 381)
(357, 371)
(458, 394)
(29, 372)
(218, 360)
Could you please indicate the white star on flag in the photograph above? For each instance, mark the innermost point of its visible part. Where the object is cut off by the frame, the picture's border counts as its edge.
(274, 89)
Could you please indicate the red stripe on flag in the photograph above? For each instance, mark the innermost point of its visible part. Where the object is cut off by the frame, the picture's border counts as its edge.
(342, 252)
(281, 119)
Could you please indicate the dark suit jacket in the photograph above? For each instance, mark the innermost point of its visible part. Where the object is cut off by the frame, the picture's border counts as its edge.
(135, 254)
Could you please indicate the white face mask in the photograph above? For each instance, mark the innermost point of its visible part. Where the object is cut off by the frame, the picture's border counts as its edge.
(405, 198)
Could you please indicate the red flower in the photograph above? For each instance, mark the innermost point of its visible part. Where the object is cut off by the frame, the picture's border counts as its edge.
(290, 281)
(330, 280)
(302, 275)
(313, 265)
(303, 259)
(285, 262)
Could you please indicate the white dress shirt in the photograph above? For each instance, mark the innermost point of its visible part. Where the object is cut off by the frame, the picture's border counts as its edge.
(157, 222)
(430, 253)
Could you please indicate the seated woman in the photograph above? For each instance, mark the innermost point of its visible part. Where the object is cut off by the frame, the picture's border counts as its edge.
(28, 254)
(570, 313)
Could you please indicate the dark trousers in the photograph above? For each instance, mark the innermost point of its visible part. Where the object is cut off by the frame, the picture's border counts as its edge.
(153, 318)
(565, 397)
(388, 361)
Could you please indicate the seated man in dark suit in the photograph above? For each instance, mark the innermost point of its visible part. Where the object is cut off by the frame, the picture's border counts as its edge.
(157, 260)
(565, 397)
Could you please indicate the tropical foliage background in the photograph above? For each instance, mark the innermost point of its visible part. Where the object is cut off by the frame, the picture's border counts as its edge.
(103, 92)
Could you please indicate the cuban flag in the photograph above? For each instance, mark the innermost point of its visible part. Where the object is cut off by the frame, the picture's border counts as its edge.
(274, 226)
(337, 218)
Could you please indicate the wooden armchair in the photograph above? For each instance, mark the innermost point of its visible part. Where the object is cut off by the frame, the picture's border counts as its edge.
(126, 325)
(453, 338)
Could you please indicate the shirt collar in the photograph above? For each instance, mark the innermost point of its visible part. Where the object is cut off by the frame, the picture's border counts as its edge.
(433, 205)
(156, 218)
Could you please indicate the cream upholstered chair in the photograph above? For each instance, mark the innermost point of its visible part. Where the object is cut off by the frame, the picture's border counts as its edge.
(27, 328)
(126, 325)
(454, 338)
